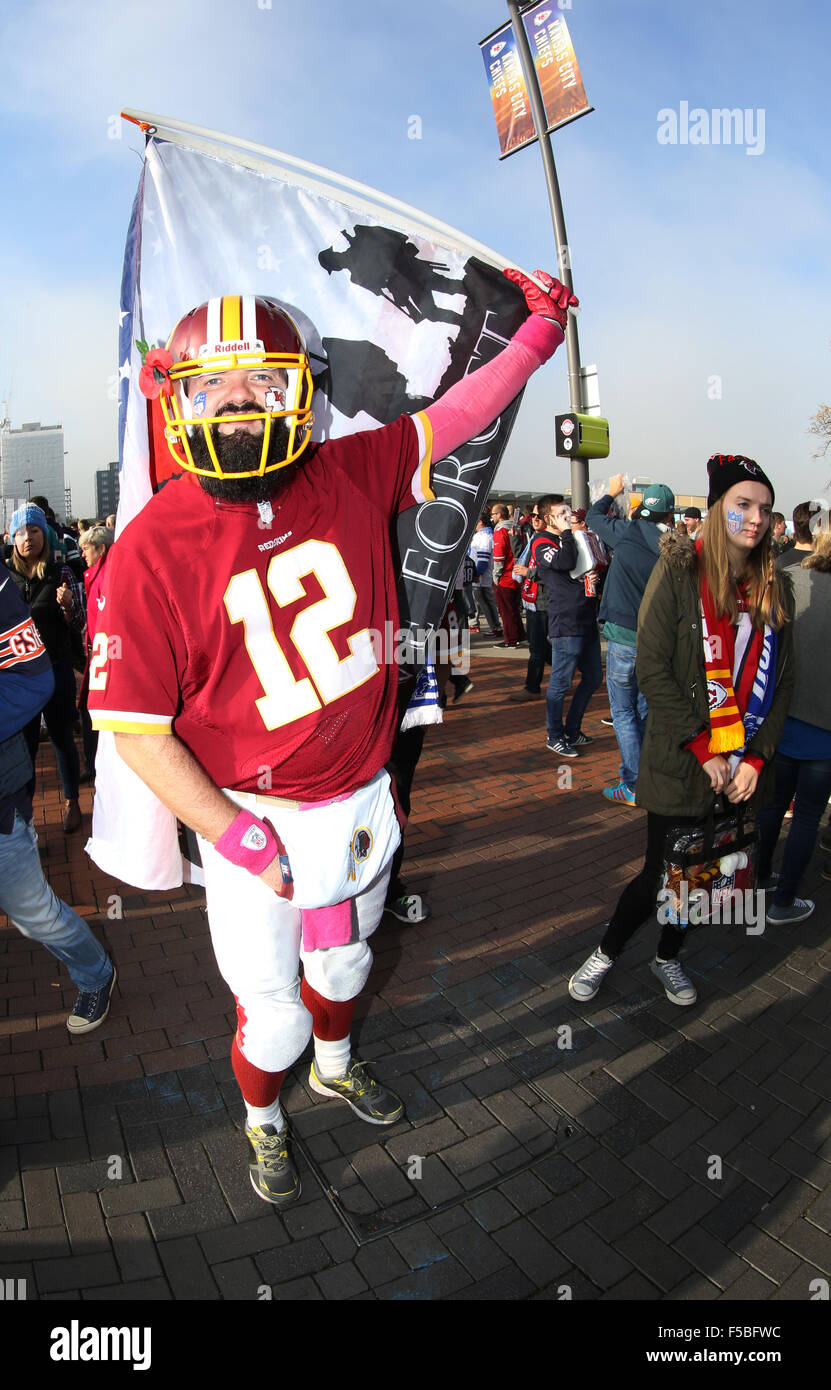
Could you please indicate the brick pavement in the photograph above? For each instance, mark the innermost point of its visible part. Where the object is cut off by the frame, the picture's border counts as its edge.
(622, 1150)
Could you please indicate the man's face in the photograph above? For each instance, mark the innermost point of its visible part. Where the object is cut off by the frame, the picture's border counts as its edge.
(238, 443)
(692, 524)
(237, 392)
(559, 518)
(779, 530)
(537, 521)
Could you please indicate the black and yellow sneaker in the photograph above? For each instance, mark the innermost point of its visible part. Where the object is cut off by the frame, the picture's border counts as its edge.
(367, 1097)
(271, 1169)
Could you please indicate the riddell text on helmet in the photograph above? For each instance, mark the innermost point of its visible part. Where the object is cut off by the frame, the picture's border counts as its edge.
(218, 348)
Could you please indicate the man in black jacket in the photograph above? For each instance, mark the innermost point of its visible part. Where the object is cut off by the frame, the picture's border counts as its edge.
(26, 684)
(635, 546)
(572, 627)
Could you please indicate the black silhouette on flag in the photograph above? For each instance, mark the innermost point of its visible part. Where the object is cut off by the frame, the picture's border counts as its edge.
(386, 263)
(361, 376)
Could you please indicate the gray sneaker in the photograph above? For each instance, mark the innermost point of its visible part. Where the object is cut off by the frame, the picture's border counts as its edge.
(797, 911)
(678, 986)
(368, 1098)
(270, 1167)
(586, 981)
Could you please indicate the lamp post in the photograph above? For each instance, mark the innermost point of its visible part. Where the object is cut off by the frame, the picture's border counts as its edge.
(28, 482)
(579, 467)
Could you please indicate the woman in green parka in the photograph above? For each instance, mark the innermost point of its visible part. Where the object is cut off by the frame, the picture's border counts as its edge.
(715, 663)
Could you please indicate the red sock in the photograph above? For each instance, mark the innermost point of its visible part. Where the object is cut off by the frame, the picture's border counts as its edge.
(259, 1088)
(331, 1021)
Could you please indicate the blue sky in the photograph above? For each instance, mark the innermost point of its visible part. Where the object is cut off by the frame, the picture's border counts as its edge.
(692, 262)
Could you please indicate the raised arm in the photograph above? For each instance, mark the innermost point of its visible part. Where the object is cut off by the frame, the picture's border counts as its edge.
(469, 406)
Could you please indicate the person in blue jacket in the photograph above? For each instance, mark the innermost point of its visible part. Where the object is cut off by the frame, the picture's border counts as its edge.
(634, 544)
(26, 685)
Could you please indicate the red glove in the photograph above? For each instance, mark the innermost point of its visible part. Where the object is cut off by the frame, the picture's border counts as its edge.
(553, 305)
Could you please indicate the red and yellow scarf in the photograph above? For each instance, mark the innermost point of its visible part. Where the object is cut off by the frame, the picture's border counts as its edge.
(727, 705)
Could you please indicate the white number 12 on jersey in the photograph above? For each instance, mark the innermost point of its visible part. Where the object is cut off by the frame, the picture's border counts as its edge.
(285, 698)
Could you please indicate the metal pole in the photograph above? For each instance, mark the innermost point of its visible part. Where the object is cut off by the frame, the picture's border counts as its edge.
(579, 467)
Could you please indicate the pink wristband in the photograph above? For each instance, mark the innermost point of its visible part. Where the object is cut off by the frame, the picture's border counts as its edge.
(249, 843)
(541, 335)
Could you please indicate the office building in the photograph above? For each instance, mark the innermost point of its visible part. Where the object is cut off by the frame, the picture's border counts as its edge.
(106, 491)
(31, 464)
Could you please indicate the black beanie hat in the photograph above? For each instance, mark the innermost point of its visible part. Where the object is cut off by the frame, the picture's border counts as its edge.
(724, 470)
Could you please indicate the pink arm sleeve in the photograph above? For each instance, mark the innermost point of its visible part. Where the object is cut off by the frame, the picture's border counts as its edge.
(469, 406)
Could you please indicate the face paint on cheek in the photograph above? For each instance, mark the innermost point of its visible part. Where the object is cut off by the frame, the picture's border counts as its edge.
(275, 400)
(735, 521)
(199, 403)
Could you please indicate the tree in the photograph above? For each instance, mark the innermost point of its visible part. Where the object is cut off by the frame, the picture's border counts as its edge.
(821, 427)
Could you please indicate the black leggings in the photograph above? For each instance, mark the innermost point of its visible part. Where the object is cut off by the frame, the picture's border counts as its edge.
(406, 752)
(639, 898)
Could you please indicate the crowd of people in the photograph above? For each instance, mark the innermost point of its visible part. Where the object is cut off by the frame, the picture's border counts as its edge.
(654, 566)
(44, 641)
(710, 627)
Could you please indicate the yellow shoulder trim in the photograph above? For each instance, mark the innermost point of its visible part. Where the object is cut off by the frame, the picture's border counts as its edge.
(117, 725)
(426, 458)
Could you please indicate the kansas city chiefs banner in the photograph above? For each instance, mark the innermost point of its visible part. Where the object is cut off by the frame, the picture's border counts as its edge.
(394, 310)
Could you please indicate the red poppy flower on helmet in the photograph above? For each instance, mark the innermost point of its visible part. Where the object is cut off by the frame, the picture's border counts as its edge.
(154, 377)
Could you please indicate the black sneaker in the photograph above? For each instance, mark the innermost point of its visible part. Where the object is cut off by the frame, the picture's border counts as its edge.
(270, 1167)
(610, 723)
(408, 907)
(460, 689)
(580, 741)
(563, 747)
(91, 1008)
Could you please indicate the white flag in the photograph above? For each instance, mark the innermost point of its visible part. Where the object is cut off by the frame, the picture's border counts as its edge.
(394, 309)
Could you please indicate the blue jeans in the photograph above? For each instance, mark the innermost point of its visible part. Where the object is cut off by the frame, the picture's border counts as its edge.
(628, 708)
(33, 908)
(807, 783)
(567, 655)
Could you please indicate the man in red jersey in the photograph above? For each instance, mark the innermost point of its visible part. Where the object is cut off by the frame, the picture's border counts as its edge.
(237, 669)
(506, 590)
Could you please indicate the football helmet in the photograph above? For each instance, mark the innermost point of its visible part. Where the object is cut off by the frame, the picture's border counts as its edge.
(236, 333)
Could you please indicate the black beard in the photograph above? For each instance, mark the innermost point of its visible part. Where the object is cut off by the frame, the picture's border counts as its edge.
(240, 453)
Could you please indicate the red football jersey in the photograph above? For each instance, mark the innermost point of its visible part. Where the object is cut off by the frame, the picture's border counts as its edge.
(250, 638)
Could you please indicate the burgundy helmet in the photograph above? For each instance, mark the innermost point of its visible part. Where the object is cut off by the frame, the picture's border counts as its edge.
(237, 332)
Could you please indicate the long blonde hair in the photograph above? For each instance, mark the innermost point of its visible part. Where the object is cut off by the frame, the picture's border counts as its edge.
(820, 557)
(765, 589)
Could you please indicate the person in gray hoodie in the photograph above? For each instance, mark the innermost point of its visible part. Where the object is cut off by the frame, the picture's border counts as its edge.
(635, 550)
